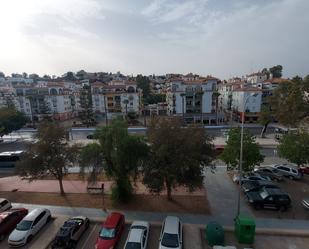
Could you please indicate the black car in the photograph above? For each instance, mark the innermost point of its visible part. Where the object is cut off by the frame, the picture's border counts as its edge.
(70, 233)
(269, 198)
(257, 185)
(271, 172)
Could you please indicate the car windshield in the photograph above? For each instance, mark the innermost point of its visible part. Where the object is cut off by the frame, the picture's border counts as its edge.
(133, 245)
(263, 194)
(107, 233)
(170, 240)
(24, 225)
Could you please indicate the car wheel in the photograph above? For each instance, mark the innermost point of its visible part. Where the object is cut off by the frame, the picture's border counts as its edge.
(29, 238)
(291, 177)
(48, 219)
(258, 206)
(87, 224)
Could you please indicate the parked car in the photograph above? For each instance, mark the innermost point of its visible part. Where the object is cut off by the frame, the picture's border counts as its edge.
(171, 233)
(111, 231)
(70, 232)
(289, 171)
(29, 226)
(138, 235)
(272, 173)
(304, 169)
(250, 177)
(257, 185)
(9, 219)
(305, 203)
(4, 204)
(269, 198)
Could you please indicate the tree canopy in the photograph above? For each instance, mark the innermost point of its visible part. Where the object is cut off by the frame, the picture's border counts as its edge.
(86, 114)
(290, 101)
(251, 151)
(295, 147)
(123, 156)
(11, 120)
(51, 154)
(178, 156)
(143, 83)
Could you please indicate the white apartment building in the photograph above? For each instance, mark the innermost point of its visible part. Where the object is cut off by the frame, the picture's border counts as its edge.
(247, 102)
(117, 97)
(193, 97)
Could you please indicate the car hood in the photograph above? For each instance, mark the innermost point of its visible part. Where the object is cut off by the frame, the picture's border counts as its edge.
(105, 244)
(17, 235)
(255, 196)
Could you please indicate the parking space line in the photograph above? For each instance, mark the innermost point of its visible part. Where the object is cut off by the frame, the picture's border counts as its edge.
(85, 243)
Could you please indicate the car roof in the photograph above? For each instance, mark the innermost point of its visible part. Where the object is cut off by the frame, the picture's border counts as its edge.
(112, 219)
(34, 213)
(135, 235)
(171, 224)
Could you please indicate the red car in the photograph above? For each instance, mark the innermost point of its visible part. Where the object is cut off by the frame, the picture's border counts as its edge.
(111, 231)
(9, 220)
(304, 169)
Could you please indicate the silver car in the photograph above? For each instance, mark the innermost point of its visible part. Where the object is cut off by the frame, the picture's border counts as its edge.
(171, 233)
(289, 171)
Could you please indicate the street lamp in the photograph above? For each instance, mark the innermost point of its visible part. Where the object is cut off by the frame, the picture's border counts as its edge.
(241, 148)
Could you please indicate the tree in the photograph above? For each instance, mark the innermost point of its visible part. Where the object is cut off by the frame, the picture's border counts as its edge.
(123, 156)
(265, 118)
(155, 98)
(11, 120)
(2, 75)
(86, 114)
(289, 102)
(51, 154)
(91, 157)
(295, 147)
(265, 71)
(143, 83)
(251, 151)
(178, 156)
(276, 71)
(69, 76)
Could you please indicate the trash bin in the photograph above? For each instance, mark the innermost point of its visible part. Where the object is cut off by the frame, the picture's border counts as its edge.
(245, 229)
(214, 234)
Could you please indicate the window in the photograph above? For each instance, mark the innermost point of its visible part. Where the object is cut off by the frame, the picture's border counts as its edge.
(2, 204)
(107, 233)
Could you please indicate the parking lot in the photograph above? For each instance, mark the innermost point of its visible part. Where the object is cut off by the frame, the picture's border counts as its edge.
(297, 189)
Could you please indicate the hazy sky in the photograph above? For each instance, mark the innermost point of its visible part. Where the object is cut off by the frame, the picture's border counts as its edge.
(219, 37)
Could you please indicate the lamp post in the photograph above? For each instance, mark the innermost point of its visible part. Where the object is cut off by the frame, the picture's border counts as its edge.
(241, 148)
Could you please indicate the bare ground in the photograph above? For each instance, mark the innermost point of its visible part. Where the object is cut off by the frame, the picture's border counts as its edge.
(151, 203)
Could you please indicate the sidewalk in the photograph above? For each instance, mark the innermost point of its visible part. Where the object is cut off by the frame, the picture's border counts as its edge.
(261, 223)
(261, 141)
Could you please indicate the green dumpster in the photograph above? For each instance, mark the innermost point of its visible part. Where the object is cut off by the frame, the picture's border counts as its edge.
(214, 234)
(245, 229)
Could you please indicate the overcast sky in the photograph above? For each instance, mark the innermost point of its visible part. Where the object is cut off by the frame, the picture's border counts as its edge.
(220, 37)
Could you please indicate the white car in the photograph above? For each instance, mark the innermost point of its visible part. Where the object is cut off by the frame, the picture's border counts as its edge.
(4, 205)
(171, 233)
(138, 235)
(29, 226)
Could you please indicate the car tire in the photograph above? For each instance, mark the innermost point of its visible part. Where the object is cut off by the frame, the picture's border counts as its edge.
(87, 224)
(258, 206)
(48, 219)
(29, 238)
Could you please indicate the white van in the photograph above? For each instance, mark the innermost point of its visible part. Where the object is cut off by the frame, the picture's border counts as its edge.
(29, 226)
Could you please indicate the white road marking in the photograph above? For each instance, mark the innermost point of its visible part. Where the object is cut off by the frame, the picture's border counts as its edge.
(85, 243)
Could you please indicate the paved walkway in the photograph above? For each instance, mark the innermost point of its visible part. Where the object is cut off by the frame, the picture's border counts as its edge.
(98, 214)
(223, 195)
